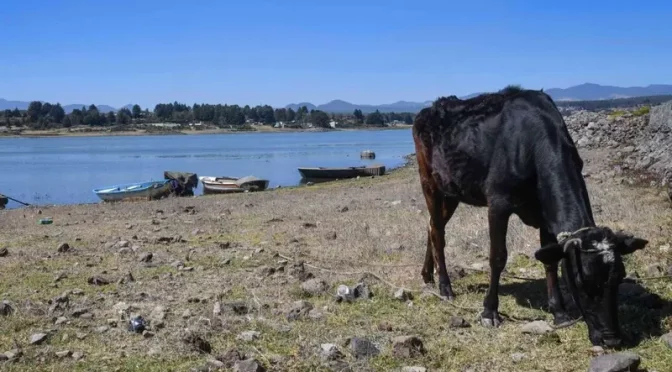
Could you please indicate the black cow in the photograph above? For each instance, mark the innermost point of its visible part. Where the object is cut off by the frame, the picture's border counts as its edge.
(511, 151)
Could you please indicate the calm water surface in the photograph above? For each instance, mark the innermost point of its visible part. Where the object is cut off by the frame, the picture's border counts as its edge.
(66, 170)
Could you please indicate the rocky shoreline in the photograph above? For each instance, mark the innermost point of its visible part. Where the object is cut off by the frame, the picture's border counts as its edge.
(642, 140)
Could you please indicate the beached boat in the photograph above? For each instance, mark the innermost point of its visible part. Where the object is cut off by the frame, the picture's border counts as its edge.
(345, 172)
(223, 185)
(141, 190)
(3, 201)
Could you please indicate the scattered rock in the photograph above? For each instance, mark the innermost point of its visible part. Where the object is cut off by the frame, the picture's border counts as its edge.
(60, 320)
(330, 352)
(314, 286)
(186, 314)
(80, 335)
(77, 355)
(102, 329)
(363, 348)
(63, 354)
(615, 362)
(265, 271)
(403, 295)
(315, 314)
(147, 334)
(359, 291)
(196, 342)
(414, 369)
(298, 310)
(458, 322)
(125, 251)
(517, 357)
(38, 338)
(538, 327)
(147, 257)
(158, 313)
(4, 252)
(298, 271)
(248, 365)
(216, 364)
(217, 309)
(407, 347)
(13, 354)
(5, 308)
(63, 247)
(248, 336)
(667, 338)
(97, 280)
(385, 327)
(344, 209)
(230, 358)
(236, 308)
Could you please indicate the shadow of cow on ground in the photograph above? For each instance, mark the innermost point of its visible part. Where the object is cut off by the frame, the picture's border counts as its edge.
(511, 152)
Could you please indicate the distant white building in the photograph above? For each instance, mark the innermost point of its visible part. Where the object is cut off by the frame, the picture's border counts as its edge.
(333, 123)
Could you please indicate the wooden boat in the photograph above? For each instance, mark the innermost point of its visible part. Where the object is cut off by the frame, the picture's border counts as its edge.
(141, 190)
(339, 173)
(3, 201)
(224, 185)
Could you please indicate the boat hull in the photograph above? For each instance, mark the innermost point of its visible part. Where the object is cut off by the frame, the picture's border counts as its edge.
(134, 191)
(227, 185)
(340, 173)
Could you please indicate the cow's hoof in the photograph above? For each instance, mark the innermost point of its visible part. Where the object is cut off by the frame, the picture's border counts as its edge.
(446, 291)
(562, 320)
(491, 319)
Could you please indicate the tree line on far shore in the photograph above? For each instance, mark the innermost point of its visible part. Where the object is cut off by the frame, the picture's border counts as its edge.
(45, 115)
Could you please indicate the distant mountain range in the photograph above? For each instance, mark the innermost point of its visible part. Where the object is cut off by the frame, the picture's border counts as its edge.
(583, 92)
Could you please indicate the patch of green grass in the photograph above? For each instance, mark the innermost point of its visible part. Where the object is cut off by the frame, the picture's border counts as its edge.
(644, 110)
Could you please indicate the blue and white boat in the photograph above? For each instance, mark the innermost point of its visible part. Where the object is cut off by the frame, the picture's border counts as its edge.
(141, 190)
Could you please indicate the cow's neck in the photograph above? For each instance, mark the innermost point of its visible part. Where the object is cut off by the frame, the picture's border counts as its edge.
(565, 203)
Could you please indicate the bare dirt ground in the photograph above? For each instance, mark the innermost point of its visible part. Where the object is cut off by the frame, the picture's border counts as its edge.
(225, 282)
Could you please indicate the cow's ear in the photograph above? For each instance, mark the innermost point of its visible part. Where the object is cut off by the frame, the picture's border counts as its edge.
(626, 243)
(550, 254)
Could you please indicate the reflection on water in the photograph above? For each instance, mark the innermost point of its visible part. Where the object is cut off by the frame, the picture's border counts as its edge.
(66, 170)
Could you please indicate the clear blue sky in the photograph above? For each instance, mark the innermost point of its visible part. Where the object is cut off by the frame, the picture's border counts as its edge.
(363, 51)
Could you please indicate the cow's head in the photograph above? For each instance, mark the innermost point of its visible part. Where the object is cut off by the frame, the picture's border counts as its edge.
(592, 269)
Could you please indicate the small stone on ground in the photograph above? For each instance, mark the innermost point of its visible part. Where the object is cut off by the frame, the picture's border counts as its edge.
(38, 338)
(616, 362)
(538, 327)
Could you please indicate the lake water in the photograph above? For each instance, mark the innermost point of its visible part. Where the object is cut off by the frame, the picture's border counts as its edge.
(65, 170)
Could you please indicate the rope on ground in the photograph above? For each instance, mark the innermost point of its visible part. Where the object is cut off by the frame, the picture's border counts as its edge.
(506, 275)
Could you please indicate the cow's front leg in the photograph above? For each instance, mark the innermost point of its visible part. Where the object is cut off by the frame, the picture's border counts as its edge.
(498, 221)
(556, 303)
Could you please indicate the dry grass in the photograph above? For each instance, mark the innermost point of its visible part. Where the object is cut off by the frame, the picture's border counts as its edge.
(374, 235)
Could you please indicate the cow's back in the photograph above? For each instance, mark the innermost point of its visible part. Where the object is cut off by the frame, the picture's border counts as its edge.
(493, 140)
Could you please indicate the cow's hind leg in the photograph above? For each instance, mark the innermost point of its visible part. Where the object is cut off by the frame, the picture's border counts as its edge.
(441, 210)
(428, 267)
(498, 221)
(556, 303)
